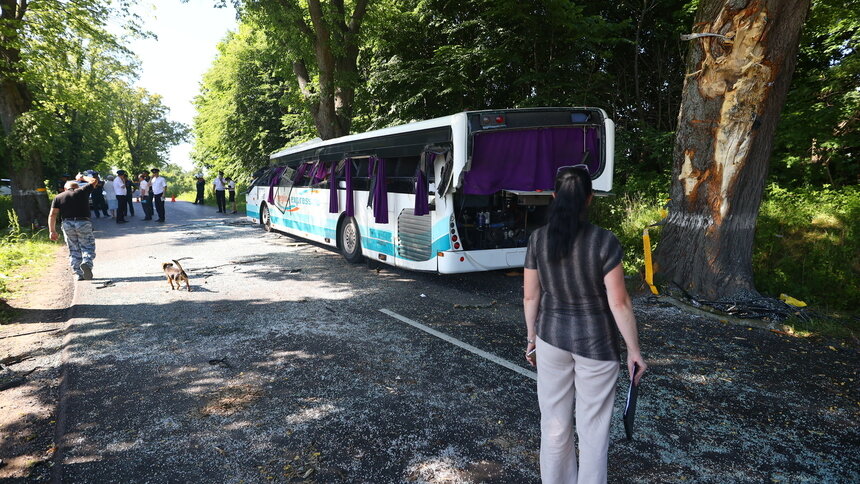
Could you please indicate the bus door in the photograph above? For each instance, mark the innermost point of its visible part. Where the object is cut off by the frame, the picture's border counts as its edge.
(308, 207)
(281, 195)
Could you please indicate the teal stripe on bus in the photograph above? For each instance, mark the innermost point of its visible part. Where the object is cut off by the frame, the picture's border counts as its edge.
(379, 234)
(302, 226)
(377, 245)
(441, 244)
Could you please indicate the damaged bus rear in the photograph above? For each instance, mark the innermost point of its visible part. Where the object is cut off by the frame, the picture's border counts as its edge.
(500, 179)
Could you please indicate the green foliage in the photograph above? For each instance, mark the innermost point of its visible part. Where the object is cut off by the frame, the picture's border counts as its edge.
(627, 215)
(22, 252)
(248, 106)
(190, 195)
(432, 58)
(178, 180)
(61, 56)
(818, 140)
(808, 246)
(144, 134)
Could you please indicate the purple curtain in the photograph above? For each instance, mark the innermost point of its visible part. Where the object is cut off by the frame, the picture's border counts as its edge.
(528, 159)
(332, 189)
(300, 173)
(422, 202)
(350, 206)
(273, 182)
(319, 172)
(380, 193)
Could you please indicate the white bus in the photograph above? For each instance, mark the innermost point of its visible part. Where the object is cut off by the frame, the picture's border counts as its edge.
(461, 193)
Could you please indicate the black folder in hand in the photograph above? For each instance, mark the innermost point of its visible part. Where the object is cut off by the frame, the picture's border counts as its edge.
(630, 407)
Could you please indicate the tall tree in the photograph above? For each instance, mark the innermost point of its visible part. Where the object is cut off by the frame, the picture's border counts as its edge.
(818, 141)
(145, 134)
(29, 198)
(435, 57)
(323, 41)
(75, 88)
(739, 70)
(249, 104)
(34, 35)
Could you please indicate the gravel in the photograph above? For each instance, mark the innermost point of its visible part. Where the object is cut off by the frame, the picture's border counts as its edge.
(279, 367)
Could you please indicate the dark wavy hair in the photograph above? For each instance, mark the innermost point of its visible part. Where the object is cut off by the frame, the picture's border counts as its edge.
(568, 211)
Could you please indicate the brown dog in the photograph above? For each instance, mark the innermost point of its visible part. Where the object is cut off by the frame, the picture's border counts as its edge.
(175, 274)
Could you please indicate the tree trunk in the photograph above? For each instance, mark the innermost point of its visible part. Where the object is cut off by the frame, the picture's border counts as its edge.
(732, 98)
(332, 104)
(29, 197)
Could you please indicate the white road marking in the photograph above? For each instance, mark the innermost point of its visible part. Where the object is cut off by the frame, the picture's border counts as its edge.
(466, 346)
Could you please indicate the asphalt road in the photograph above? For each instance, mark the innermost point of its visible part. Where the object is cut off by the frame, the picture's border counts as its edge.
(279, 366)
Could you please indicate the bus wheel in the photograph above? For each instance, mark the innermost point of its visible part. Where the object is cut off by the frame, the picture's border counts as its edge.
(265, 219)
(350, 241)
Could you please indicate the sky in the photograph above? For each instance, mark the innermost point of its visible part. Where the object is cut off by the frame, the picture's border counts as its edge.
(173, 65)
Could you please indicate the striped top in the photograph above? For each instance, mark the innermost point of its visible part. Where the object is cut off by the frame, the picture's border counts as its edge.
(574, 312)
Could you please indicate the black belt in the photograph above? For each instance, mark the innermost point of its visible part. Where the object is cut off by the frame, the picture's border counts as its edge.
(76, 219)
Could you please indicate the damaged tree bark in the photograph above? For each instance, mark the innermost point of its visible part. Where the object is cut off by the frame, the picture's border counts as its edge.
(738, 77)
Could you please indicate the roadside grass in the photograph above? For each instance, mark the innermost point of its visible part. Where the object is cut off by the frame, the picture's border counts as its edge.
(209, 198)
(806, 245)
(838, 326)
(627, 215)
(23, 255)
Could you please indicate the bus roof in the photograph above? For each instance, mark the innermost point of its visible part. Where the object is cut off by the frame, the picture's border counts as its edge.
(444, 121)
(403, 128)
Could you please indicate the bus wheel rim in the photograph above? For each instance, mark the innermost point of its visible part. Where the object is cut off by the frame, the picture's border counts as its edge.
(349, 238)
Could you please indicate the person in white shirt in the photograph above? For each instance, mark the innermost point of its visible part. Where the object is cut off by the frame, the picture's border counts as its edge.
(110, 195)
(145, 199)
(121, 196)
(231, 193)
(220, 195)
(157, 186)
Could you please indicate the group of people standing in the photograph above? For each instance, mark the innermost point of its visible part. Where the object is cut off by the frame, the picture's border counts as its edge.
(113, 196)
(72, 207)
(224, 187)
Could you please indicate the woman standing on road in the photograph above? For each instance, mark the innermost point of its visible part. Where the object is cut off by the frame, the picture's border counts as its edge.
(110, 195)
(574, 298)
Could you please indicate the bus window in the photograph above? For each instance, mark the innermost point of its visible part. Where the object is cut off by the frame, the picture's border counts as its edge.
(287, 177)
(361, 177)
(302, 175)
(319, 174)
(400, 174)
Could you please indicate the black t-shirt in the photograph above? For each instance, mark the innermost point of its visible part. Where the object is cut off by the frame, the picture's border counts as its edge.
(74, 203)
(574, 312)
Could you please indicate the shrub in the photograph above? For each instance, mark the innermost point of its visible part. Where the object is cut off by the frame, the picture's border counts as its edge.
(807, 245)
(626, 215)
(22, 253)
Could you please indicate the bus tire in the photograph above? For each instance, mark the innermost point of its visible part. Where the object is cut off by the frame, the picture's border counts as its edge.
(265, 218)
(349, 240)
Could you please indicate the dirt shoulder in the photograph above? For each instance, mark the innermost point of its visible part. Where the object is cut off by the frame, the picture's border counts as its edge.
(30, 374)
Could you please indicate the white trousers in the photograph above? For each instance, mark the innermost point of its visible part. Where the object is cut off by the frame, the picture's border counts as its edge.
(561, 376)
